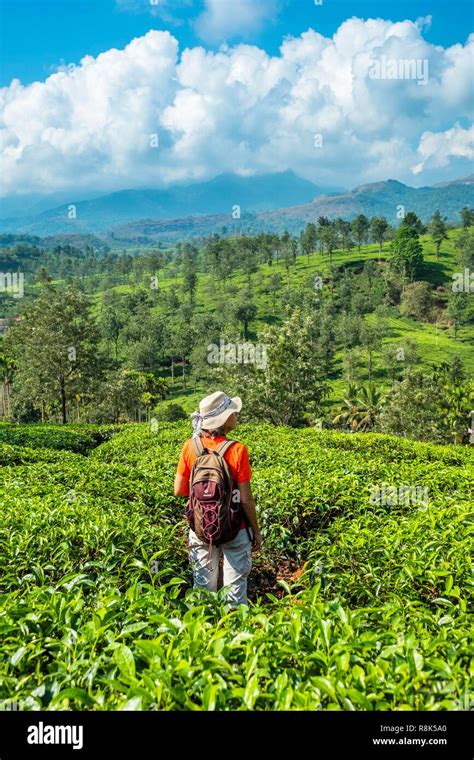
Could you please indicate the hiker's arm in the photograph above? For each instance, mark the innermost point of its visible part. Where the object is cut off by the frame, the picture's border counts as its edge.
(180, 485)
(181, 480)
(248, 504)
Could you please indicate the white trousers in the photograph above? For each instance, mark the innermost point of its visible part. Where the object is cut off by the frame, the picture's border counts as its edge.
(237, 565)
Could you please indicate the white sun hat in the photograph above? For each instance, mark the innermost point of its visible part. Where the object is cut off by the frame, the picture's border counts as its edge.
(213, 411)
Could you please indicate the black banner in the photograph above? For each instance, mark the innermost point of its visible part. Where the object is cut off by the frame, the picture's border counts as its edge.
(373, 734)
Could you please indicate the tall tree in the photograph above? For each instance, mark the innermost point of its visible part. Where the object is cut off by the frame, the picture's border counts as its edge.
(459, 310)
(464, 245)
(412, 220)
(467, 216)
(329, 239)
(155, 260)
(55, 348)
(244, 312)
(343, 229)
(308, 239)
(323, 222)
(288, 251)
(248, 257)
(406, 252)
(360, 227)
(290, 383)
(438, 231)
(274, 284)
(378, 228)
(182, 338)
(112, 321)
(189, 271)
(266, 245)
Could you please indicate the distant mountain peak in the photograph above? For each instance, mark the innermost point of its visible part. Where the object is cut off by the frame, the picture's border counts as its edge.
(463, 181)
(268, 202)
(218, 195)
(375, 187)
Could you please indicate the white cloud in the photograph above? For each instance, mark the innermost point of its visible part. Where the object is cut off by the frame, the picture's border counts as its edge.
(437, 148)
(227, 19)
(215, 20)
(239, 109)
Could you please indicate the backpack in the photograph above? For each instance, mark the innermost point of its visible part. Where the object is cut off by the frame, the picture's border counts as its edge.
(211, 512)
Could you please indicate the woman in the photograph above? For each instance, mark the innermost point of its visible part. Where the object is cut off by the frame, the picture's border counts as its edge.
(216, 417)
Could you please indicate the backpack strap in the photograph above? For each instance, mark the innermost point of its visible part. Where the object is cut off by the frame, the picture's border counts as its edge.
(223, 447)
(198, 447)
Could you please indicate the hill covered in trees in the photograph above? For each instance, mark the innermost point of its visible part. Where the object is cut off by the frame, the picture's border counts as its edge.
(342, 326)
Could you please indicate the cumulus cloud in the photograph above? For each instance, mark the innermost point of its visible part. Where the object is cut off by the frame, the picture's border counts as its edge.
(437, 148)
(148, 115)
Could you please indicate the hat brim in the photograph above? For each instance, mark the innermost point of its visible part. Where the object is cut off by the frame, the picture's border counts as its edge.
(217, 422)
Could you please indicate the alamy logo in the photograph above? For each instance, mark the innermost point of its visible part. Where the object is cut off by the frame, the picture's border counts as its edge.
(42, 734)
(12, 283)
(463, 282)
(237, 353)
(392, 496)
(399, 68)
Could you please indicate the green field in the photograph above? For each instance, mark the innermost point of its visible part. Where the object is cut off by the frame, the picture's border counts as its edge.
(354, 604)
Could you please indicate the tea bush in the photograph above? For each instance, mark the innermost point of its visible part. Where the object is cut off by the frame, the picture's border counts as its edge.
(97, 610)
(46, 436)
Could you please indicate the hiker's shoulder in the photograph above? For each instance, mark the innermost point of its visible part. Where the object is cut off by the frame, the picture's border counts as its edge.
(239, 448)
(187, 445)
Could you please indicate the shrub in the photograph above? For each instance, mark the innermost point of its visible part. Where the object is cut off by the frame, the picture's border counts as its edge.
(97, 610)
(169, 413)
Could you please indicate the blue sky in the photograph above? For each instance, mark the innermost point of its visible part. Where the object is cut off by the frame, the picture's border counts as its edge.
(102, 95)
(37, 35)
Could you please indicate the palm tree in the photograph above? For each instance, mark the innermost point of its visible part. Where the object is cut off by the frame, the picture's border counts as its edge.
(348, 414)
(370, 400)
(359, 408)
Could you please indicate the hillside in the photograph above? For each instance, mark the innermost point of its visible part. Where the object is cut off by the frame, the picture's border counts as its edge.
(108, 282)
(380, 199)
(435, 341)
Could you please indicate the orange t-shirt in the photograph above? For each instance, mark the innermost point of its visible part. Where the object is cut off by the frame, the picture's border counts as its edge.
(236, 456)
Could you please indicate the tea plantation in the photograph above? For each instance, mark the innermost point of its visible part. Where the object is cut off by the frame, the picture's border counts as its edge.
(356, 603)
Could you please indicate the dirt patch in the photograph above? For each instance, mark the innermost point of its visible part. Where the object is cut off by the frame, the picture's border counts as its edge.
(264, 577)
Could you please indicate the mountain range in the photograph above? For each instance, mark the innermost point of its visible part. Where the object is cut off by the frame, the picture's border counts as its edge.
(271, 202)
(216, 196)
